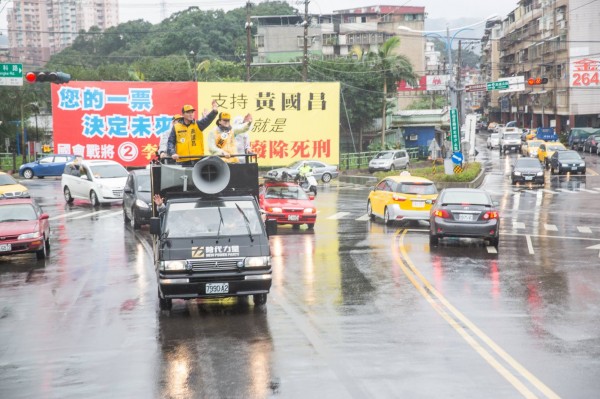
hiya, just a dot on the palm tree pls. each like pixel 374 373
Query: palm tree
pixel 394 67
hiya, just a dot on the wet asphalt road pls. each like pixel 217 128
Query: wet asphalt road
pixel 357 309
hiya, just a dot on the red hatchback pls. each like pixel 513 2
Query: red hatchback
pixel 287 203
pixel 23 228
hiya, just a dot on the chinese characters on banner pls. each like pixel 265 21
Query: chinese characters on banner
pixel 124 121
pixel 584 72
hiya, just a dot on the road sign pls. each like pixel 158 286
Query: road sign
pixel 457 157
pixel 477 87
pixel 458 169
pixel 11 74
pixel 499 85
pixel 454 130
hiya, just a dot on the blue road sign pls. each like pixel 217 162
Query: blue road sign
pixel 457 157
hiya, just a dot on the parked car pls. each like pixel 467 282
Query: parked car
pixel 389 160
pixel 567 161
pixel 546 150
pixel 491 126
pixel 464 212
pixel 25 228
pixel 578 135
pixel 287 203
pixel 51 165
pixel 527 170
pixel 591 144
pixel 530 148
pixel 320 170
pixel 10 188
pixel 403 197
pixel 493 140
pixel 99 181
pixel 137 198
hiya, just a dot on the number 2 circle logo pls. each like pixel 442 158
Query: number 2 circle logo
pixel 128 151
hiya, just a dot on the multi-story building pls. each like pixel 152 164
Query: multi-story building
pixel 38 29
pixel 552 39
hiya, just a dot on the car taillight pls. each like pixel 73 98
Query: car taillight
pixel 490 215
pixel 441 213
pixel 397 197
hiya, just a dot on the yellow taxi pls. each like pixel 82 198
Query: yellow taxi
pixel 403 197
pixel 530 148
pixel 10 188
pixel 546 149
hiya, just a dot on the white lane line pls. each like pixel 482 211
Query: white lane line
pixel 491 249
pixel 550 227
pixel 518 225
pixel 549 191
pixel 529 244
pixel 584 229
pixel 339 215
pixel 566 191
pixel 588 191
pixel 363 218
pixel 64 215
pixel 108 215
pixel 90 214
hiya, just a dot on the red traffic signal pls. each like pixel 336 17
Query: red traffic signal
pixel 52 77
pixel 537 81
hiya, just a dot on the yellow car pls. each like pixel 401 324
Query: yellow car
pixel 546 150
pixel 530 148
pixel 10 188
pixel 403 197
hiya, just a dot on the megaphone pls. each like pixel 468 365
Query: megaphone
pixel 211 175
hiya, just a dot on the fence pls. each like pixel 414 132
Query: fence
pixel 360 160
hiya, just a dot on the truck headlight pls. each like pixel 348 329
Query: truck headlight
pixel 257 261
pixel 173 265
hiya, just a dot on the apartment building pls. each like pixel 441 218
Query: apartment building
pixel 546 38
pixel 38 29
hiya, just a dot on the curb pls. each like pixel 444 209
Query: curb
pixel 369 181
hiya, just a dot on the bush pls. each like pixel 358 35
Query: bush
pixel 469 173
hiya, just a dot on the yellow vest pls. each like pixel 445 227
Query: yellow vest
pixel 189 140
pixel 226 142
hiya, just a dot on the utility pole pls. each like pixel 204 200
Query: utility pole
pixel 248 42
pixel 305 52
pixel 458 85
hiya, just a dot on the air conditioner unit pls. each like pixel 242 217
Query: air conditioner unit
pixel 562 24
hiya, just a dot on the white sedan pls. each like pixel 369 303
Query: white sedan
pixel 493 140
pixel 99 181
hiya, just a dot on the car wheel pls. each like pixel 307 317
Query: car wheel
pixel 259 299
pixel 552 170
pixel 68 196
pixel 370 211
pixel 94 199
pixel 494 242
pixel 392 168
pixel 47 244
pixel 135 220
pixel 433 240
pixel 311 226
pixel 326 178
pixel 164 303
pixel 126 219
pixel 41 254
pixel 386 217
pixel 28 174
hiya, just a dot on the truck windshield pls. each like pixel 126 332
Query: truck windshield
pixel 512 136
pixel 203 218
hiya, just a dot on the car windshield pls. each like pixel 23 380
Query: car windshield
pixel 416 188
pixel 286 192
pixel 534 144
pixel 555 147
pixel 203 219
pixel 512 136
pixel 384 155
pixel 528 163
pixel 17 212
pixel 6 180
pixel 465 198
pixel 144 183
pixel 569 155
pixel 109 171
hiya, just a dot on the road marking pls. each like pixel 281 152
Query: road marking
pixel 64 215
pixel 549 191
pixel 115 213
pixel 339 215
pixel 588 191
pixel 465 328
pixel 363 217
pixel 491 249
pixel 550 227
pixel 584 229
pixel 566 191
pixel 518 225
pixel 529 244
pixel 90 214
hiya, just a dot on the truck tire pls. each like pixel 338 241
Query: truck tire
pixel 164 303
pixel 259 299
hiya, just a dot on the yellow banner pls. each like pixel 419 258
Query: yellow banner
pixel 292 120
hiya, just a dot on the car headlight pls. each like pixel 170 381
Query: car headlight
pixel 274 210
pixel 29 236
pixel 173 265
pixel 309 210
pixel 540 173
pixel 141 204
pixel 517 173
pixel 257 261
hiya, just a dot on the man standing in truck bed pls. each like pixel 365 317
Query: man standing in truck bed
pixel 187 139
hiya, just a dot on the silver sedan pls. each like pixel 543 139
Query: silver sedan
pixel 320 170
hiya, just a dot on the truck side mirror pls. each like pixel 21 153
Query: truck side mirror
pixel 155 225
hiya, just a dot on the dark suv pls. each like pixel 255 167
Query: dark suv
pixel 137 201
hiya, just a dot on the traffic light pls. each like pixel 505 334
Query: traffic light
pixel 537 81
pixel 52 77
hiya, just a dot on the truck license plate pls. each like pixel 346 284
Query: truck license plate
pixel 217 288
pixel 5 247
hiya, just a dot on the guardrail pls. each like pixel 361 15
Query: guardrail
pixel 360 160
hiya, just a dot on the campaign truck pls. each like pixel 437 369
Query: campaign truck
pixel 210 240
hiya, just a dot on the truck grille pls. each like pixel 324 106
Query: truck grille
pixel 215 264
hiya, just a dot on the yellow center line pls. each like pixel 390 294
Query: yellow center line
pixel 426 288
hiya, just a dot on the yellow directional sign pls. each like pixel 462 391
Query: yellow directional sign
pixel 458 169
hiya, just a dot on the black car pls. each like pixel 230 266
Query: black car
pixel 591 144
pixel 464 212
pixel 137 199
pixel 567 161
pixel 527 170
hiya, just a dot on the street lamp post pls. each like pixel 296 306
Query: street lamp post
pixel 193 65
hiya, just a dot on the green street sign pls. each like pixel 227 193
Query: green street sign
pixel 454 130
pixel 499 85
pixel 11 74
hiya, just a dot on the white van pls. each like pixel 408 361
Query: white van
pixel 510 139
pixel 99 181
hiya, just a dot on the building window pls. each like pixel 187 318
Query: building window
pixel 260 41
